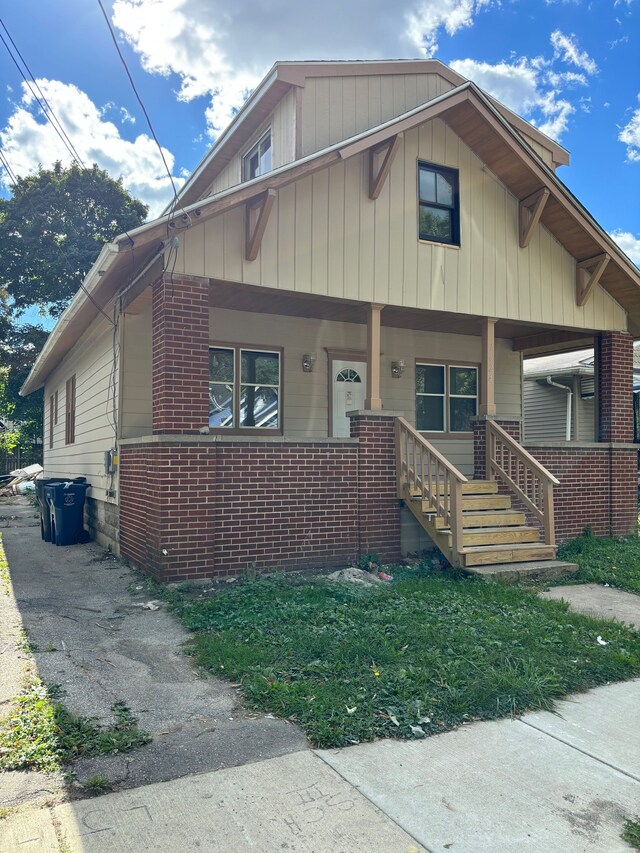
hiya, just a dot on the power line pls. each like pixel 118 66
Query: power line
pixel 142 106
pixel 8 169
pixel 45 106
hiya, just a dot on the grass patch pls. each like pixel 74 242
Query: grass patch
pixel 631 833
pixel 42 734
pixel 416 657
pixel 602 560
pixel 96 785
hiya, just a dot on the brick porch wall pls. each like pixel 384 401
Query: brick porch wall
pixel 218 508
pixel 480 442
pixel 614 375
pixel 378 504
pixel 598 488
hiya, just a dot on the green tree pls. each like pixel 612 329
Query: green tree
pixel 52 229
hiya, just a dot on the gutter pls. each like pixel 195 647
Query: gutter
pixel 569 400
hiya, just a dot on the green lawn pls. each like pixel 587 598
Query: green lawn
pixel 612 561
pixel 412 658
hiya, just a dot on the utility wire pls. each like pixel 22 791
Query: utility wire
pixel 8 169
pixel 142 106
pixel 45 106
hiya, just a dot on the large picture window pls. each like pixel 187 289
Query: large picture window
pixel 446 397
pixel 244 388
pixel 438 203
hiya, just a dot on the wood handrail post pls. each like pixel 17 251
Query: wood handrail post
pixel 455 508
pixel 549 521
pixel 488 437
pixel 398 439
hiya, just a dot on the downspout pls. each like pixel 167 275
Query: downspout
pixel 569 399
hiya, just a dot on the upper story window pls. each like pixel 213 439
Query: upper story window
pixel 257 161
pixel 439 204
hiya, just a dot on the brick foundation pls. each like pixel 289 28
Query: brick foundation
pixel 598 488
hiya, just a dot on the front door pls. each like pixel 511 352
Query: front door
pixel 349 390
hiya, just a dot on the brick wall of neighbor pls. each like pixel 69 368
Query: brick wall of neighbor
pixel 180 371
pixel 219 508
pixel 598 488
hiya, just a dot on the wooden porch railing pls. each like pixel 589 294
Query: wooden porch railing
pixel 422 470
pixel 523 475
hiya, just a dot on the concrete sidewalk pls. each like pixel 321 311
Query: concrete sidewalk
pixel 545 783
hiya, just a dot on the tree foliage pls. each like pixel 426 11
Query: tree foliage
pixel 52 230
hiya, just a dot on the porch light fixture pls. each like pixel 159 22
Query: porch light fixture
pixel 397 368
pixel 308 361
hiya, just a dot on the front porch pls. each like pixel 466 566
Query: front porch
pixel 202 500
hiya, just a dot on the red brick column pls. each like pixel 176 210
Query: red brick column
pixel 378 504
pixel 480 442
pixel 180 356
pixel 614 377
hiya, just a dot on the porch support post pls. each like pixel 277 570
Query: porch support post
pixel 373 401
pixel 488 371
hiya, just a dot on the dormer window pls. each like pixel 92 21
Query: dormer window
pixel 257 161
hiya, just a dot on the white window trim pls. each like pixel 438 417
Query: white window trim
pixel 252 149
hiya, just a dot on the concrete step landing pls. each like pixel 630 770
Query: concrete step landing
pixel 511 572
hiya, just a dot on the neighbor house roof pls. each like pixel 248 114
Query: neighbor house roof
pixel 576 363
pixel 471 115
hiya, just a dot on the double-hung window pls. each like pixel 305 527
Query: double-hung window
pixel 439 204
pixel 446 397
pixel 244 388
pixel 257 161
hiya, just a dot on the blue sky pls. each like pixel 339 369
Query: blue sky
pixel 570 66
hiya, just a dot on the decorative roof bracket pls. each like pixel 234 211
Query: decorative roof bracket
pixel 256 218
pixel 530 211
pixel 588 274
pixel 381 159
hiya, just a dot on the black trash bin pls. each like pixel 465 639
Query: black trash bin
pixel 66 501
pixel 45 509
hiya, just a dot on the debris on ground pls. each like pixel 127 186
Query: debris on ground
pixel 354 575
pixel 20 481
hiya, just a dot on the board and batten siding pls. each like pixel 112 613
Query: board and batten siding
pixel 336 108
pixel 91 360
pixel 283 145
pixel 326 237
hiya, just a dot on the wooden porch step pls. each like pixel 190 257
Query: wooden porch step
pixel 473 487
pixel 497 536
pixel 496 554
pixel 488 518
pixel 476 502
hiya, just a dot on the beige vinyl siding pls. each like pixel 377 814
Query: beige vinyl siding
pixel 325 236
pixel 283 141
pixel 306 400
pixel 91 360
pixel 336 108
pixel 136 374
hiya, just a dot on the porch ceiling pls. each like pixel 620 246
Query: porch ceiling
pixel 262 300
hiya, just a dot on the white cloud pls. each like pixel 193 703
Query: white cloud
pixel 629 243
pixel 523 86
pixel 221 50
pixel 566 49
pixel 28 140
pixel 630 135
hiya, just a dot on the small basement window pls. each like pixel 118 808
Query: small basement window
pixel 439 204
pixel 257 161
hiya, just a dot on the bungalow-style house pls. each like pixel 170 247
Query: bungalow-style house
pixel 559 396
pixel 316 353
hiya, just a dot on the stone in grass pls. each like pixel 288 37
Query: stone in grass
pixel 354 575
